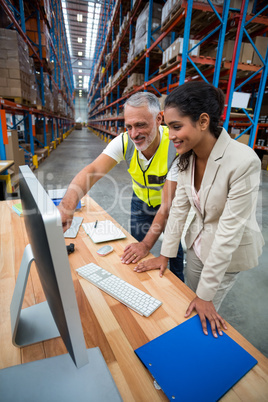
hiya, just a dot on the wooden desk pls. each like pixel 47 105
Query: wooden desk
pixel 117 330
pixel 4 165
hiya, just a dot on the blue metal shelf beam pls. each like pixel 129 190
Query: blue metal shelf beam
pixel 242 30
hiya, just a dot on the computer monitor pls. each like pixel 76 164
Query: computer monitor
pixel 47 247
pixel 55 378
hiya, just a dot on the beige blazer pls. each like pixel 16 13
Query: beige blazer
pixel 230 236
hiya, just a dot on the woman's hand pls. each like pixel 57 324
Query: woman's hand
pixel 160 262
pixel 134 252
pixel 206 309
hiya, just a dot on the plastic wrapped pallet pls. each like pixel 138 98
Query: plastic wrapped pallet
pixel 143 20
pixel 55 97
pixel 131 51
pixel 170 7
pixel 140 43
pixel 60 104
pixel 33 87
pixel 135 80
pixel 49 102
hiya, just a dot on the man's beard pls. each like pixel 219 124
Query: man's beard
pixel 149 139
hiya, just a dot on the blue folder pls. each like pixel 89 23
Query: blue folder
pixel 191 366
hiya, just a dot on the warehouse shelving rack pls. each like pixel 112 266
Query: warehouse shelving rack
pixel 224 22
pixel 19 12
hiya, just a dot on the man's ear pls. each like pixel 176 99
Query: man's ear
pixel 159 118
pixel 204 120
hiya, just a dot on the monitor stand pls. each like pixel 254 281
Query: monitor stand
pixel 58 379
pixel 32 324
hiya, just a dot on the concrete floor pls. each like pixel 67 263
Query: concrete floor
pixel 246 305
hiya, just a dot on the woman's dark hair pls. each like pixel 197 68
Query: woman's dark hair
pixel 192 99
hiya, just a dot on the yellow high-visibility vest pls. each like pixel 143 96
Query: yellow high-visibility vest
pixel 148 184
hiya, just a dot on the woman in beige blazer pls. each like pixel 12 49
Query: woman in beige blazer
pixel 219 178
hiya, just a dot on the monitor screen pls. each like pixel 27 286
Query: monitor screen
pixel 44 229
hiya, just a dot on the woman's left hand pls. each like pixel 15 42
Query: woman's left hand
pixel 134 252
pixel 206 309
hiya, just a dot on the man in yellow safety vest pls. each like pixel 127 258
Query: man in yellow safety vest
pixel 150 158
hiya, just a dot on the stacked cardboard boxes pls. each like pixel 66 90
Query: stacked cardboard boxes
pixel 32 33
pixel 176 48
pixel 261 43
pixel 16 75
pixel 246 52
pixel 78 126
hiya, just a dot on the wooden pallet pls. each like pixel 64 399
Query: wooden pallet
pixel 19 100
pixel 177 10
pixel 140 54
pixel 130 89
pixel 169 64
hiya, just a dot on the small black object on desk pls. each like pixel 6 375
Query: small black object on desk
pixel 70 248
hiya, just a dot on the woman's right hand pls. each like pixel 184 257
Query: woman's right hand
pixel 160 262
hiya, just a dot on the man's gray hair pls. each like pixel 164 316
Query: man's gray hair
pixel 148 99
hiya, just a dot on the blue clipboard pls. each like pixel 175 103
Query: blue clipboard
pixel 190 366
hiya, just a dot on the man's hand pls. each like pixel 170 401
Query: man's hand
pixel 206 309
pixel 66 217
pixel 134 252
pixel 160 262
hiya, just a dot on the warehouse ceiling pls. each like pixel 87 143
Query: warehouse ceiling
pixel 81 19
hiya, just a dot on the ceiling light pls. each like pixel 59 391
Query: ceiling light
pixel 80 63
pixel 80 76
pixel 80 53
pixel 80 71
pixel 79 17
pixel 80 85
pixel 80 40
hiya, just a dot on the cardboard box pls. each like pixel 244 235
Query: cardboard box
pixel 14 73
pixel 238 3
pixel 135 80
pixel 228 50
pixel 3 73
pixel 261 43
pixel 21 158
pixel 177 47
pixel 3 82
pixel 28 146
pixel 244 139
pixel 246 54
pixel 13 151
pixel 3 63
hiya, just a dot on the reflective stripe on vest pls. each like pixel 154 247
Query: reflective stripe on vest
pixel 148 184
